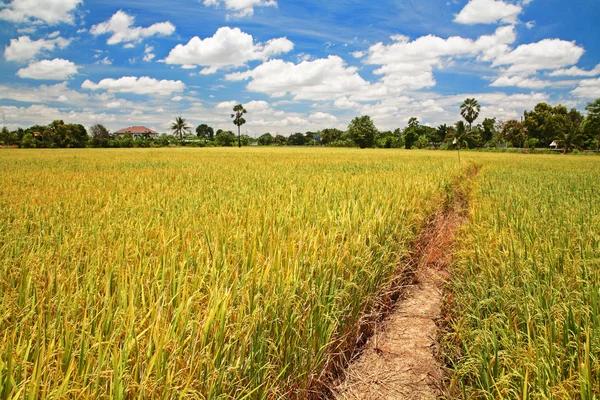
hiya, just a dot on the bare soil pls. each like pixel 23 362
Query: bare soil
pixel 400 360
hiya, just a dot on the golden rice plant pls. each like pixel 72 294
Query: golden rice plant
pixel 208 273
pixel 526 286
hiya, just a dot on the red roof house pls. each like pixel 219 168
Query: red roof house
pixel 137 131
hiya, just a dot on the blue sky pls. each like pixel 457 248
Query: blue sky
pixel 296 65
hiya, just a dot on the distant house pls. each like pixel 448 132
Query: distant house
pixel 138 132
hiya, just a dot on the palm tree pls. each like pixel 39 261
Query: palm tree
pixel 179 127
pixel 469 110
pixel 238 120
pixel 570 135
pixel 460 136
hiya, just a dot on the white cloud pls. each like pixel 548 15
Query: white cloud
pixel 120 25
pixel 322 118
pixel 545 54
pixel 575 71
pixel 227 48
pixel 42 94
pixel 104 61
pixel 530 83
pixel 148 53
pixel 24 49
pixel 588 89
pixel 409 64
pixel 241 8
pixel 57 69
pixel 51 12
pixel 345 103
pixel 488 12
pixel 132 84
pixel 321 79
pixel 358 54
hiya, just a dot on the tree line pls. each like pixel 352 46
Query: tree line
pixel 541 127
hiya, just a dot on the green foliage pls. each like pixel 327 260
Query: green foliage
pixel 469 110
pixel 28 141
pixel 180 127
pixel 238 120
pixel 411 133
pixel 99 136
pixel 362 132
pixel 330 135
pixel 266 140
pixel 205 132
pixel 296 139
pixel 280 140
pixel 423 142
pixel 531 143
pixel 569 130
pixel 225 138
pixel 591 128
pixel 514 132
pixel 488 131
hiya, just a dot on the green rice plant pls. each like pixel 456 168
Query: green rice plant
pixel 199 273
pixel 526 284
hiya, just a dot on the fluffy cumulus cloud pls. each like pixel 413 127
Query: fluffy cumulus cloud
pixel 58 93
pixel 229 47
pixel 409 64
pixel 546 54
pixel 24 49
pixel 588 89
pixel 321 79
pixel 488 12
pixel 120 25
pixel 241 8
pixel 50 12
pixel 56 70
pixel 132 84
pixel 521 81
pixel 531 82
pixel 323 118
pixel 575 71
pixel 148 53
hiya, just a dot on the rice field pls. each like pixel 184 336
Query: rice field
pixel 241 274
pixel 199 273
pixel 526 285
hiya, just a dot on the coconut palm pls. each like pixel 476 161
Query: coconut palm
pixel 180 126
pixel 460 136
pixel 469 110
pixel 238 119
pixel 570 131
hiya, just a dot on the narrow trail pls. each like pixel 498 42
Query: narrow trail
pixel 400 360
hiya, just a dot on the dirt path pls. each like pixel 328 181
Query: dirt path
pixel 399 361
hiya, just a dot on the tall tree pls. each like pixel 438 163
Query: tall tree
pixel 569 133
pixel 411 133
pixel 362 131
pixel 206 132
pixel 238 120
pixel 469 110
pixel 513 131
pixel 459 136
pixel 100 135
pixel 489 129
pixel 592 125
pixel 180 126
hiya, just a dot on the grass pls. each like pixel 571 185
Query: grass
pixel 202 273
pixel 525 297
